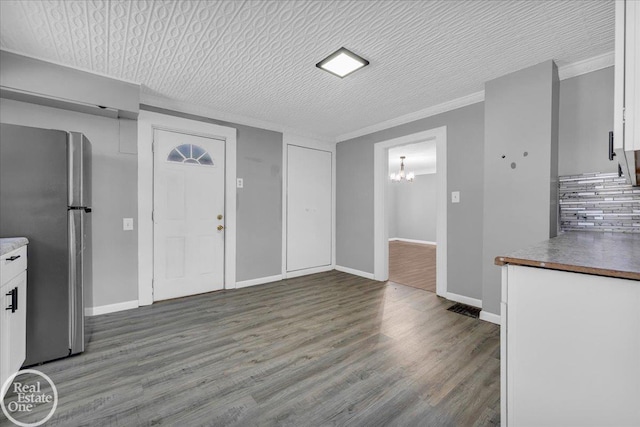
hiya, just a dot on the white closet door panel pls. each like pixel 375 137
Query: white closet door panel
pixel 308 208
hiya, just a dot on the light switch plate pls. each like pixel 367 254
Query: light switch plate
pixel 455 197
pixel 127 224
pixel 240 182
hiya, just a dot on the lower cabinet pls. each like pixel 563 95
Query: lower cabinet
pixel 570 349
pixel 13 325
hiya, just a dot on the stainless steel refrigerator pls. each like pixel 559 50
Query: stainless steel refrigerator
pixel 45 195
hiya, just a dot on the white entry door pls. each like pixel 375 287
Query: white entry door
pixel 309 207
pixel 188 215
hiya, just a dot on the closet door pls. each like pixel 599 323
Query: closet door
pixel 308 208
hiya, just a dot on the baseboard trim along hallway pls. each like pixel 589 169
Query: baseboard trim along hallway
pixel 423 242
pixel 110 308
pixel 258 281
pixel 464 300
pixel 490 317
pixel 354 272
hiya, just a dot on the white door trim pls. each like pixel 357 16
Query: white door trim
pixel 381 226
pixel 147 122
pixel 306 142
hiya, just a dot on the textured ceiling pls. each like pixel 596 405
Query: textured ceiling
pixel 257 58
pixel 420 158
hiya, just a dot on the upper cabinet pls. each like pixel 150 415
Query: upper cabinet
pixel 627 88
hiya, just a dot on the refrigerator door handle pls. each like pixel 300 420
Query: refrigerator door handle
pixel 76 254
pixel 72 274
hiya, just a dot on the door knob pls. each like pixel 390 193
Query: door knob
pixel 220 227
pixel 219 216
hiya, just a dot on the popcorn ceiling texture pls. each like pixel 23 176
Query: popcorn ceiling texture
pixel 599 202
pixel 257 58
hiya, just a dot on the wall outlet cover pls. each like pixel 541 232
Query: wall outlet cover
pixel 455 197
pixel 240 182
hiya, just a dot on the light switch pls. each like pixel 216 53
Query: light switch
pixel 127 224
pixel 240 183
pixel 455 197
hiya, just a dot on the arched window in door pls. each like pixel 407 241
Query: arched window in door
pixel 191 154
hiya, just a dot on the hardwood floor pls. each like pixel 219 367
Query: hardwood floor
pixel 326 349
pixel 413 264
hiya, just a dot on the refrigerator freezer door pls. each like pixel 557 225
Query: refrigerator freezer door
pixel 78 220
pixel 33 191
pixel 79 164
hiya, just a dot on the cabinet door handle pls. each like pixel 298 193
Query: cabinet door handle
pixel 13 258
pixel 612 153
pixel 14 300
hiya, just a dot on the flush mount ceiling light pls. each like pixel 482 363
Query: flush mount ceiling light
pixel 402 176
pixel 342 62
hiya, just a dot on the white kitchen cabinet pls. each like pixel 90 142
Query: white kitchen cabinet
pixel 627 88
pixel 13 319
pixel 570 349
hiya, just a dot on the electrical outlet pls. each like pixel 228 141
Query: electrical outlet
pixel 455 197
pixel 127 224
pixel 240 182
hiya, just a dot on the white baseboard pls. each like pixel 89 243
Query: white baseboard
pixel 111 308
pixel 258 281
pixel 306 271
pixel 490 317
pixel 355 272
pixel 423 242
pixel 464 300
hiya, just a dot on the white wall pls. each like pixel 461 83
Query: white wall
pixel 412 209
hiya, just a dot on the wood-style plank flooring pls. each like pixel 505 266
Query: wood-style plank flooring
pixel 413 264
pixel 321 350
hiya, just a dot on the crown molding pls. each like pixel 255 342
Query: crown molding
pixel 205 111
pixel 463 101
pixel 61 64
pixel 585 66
pixel 564 72
pixel 568 71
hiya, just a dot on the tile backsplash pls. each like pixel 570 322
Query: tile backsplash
pixel 598 202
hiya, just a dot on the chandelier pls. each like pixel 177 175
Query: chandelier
pixel 402 176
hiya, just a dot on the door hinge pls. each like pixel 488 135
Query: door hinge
pixel 152 216
pixel 624 115
pixel 153 146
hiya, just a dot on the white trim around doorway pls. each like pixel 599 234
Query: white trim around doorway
pixel 381 226
pixel 147 122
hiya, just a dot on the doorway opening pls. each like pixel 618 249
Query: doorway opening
pixel 438 138
pixel 412 214
pixel 148 123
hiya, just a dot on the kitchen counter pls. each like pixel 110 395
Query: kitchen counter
pixel 11 244
pixel 603 254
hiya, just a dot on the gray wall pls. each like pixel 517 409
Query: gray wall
pixel 412 214
pixel 354 198
pixel 259 208
pixel 520 116
pixel 586 117
pixel 115 177
pixel 50 80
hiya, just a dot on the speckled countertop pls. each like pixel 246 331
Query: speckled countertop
pixel 11 244
pixel 591 252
